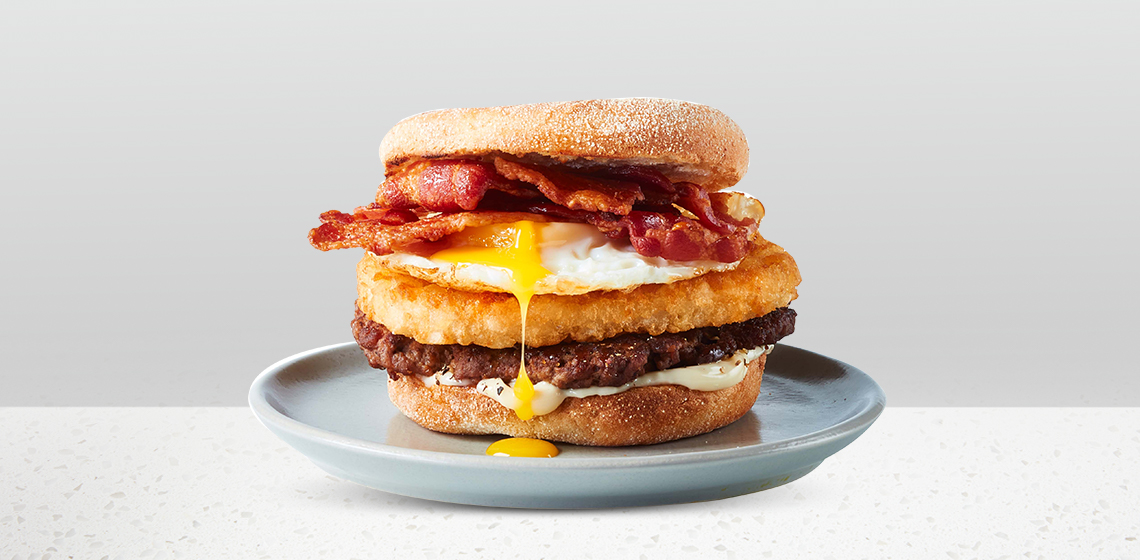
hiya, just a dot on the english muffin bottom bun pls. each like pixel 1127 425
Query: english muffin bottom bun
pixel 591 243
pixel 636 417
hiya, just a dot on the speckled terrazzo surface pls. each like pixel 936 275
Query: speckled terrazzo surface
pixel 921 483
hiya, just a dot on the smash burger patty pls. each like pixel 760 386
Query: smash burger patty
pixel 571 365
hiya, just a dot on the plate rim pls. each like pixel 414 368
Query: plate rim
pixel 276 420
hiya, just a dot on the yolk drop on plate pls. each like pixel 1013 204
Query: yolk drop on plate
pixel 522 447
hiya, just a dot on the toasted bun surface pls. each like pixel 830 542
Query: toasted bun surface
pixel 685 141
pixel 640 416
pixel 431 314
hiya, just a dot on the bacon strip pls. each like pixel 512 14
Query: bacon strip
pixel 573 190
pixel 696 200
pixel 654 231
pixel 429 200
pixel 341 231
pixel 677 238
pixel 445 185
pixel 663 234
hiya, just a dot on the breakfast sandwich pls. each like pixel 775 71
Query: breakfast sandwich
pixel 570 272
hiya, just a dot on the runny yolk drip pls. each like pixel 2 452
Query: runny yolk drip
pixel 522 447
pixel 513 247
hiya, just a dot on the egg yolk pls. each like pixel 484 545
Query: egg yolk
pixel 513 247
pixel 522 447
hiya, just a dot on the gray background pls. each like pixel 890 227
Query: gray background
pixel 957 180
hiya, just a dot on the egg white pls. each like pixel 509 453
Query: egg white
pixel 580 258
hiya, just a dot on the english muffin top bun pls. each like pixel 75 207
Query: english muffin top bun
pixel 684 141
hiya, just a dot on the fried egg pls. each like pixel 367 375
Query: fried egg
pixel 578 257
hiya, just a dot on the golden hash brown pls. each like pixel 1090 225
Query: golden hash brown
pixel 639 416
pixel 431 314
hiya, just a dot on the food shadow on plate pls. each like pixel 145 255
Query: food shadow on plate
pixel 803 366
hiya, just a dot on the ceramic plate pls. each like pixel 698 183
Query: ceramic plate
pixel 331 406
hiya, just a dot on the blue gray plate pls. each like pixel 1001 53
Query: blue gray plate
pixel 331 406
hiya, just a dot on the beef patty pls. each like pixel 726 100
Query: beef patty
pixel 571 365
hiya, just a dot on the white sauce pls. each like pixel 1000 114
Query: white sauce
pixel 705 377
pixel 580 258
pixel 443 377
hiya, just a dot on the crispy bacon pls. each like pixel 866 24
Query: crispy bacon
pixel 503 202
pixel 661 233
pixel 677 238
pixel 386 216
pixel 429 200
pixel 341 231
pixel 573 190
pixel 445 185
pixel 338 231
pixel 696 200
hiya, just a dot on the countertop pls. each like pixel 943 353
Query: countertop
pixel 921 483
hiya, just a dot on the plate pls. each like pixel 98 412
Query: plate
pixel 332 407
